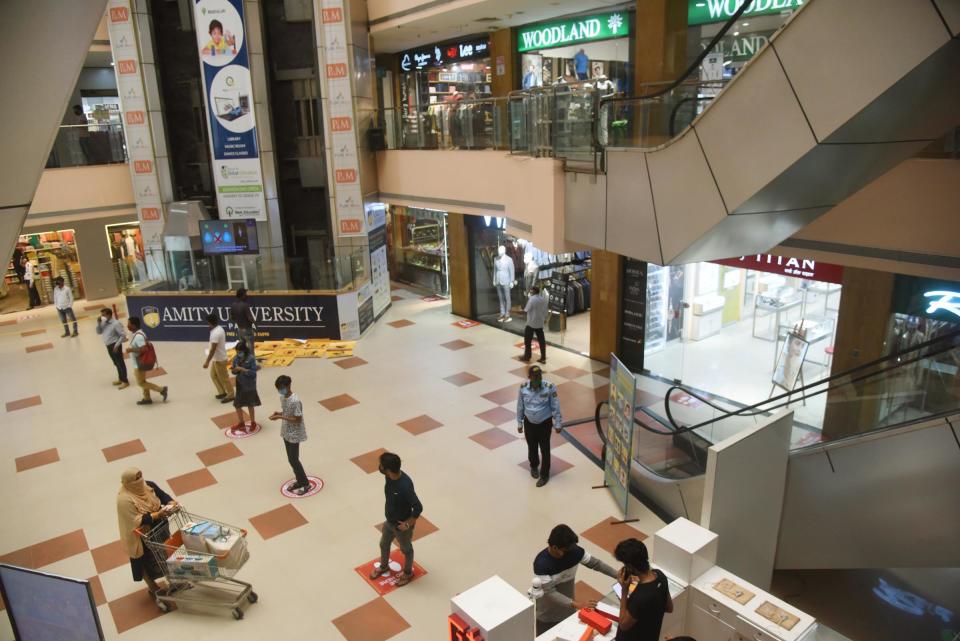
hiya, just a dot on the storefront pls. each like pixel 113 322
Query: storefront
pixel 126 254
pixel 735 328
pixel 53 254
pixel 565 278
pixel 417 248
pixel 591 47
pixel 441 74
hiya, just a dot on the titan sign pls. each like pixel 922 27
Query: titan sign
pixel 704 11
pixel 568 32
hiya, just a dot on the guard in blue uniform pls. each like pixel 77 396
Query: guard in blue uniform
pixel 538 410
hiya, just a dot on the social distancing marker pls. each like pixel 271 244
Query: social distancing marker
pixel 239 432
pixel 385 584
pixel 431 299
pixel 465 323
pixel 316 484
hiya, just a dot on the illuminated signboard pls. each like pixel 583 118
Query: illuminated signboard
pixel 706 11
pixel 441 55
pixel 936 299
pixel 573 31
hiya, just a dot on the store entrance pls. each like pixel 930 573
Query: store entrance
pixel 47 255
pixel 126 255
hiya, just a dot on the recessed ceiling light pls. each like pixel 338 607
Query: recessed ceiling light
pixel 736 33
pixel 746 24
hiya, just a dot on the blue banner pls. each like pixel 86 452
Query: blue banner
pixel 172 317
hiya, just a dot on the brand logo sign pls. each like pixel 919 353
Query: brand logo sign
pixel 341 123
pixel 126 66
pixel 945 301
pixel 332 15
pixel 337 70
pixel 704 11
pixel 346 175
pixel 440 55
pixel 142 166
pixel 136 118
pixel 567 32
pixel 150 213
pixel 806 268
pixel 119 14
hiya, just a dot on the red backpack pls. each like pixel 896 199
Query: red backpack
pixel 147 357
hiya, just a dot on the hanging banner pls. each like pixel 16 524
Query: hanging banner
pixel 616 465
pixel 228 94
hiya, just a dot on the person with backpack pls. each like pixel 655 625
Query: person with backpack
pixel 144 359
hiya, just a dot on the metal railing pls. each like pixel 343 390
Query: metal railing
pixel 82 145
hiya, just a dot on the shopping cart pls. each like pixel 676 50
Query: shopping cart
pixel 199 558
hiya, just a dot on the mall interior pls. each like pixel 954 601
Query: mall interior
pixel 736 220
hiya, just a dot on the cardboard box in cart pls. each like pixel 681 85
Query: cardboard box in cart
pixel 187 565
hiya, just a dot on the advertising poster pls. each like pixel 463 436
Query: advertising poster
pixel 790 362
pixel 183 318
pixel 616 466
pixel 633 316
pixel 379 269
pixel 228 92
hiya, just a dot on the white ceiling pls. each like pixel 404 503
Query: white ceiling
pixel 417 30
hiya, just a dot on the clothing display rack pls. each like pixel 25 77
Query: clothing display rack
pixel 569 288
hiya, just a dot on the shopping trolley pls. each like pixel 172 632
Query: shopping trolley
pixel 199 558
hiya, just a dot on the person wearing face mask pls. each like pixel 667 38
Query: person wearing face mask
pixel 111 331
pixel 645 593
pixel 142 506
pixel 402 510
pixel 292 431
pixel 245 369
pixel 538 410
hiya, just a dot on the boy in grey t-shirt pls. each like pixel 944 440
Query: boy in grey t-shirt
pixel 292 431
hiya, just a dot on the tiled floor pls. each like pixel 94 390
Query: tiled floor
pixel 30 461
pixel 440 396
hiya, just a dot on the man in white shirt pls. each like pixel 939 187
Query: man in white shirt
pixel 31 281
pixel 217 354
pixel 63 301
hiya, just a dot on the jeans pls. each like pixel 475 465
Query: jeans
pixel 64 315
pixel 220 378
pixel 404 540
pixel 145 385
pixel 293 458
pixel 117 357
pixel 503 293
pixel 528 333
pixel 538 438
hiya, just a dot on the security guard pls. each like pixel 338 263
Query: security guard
pixel 538 410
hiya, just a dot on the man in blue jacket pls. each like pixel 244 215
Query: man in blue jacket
pixel 538 410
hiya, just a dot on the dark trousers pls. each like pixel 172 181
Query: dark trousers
pixel 293 457
pixel 66 314
pixel 528 333
pixel 538 444
pixel 33 294
pixel 404 541
pixel 117 357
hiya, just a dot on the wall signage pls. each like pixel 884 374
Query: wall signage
pixel 704 11
pixel 633 313
pixel 440 55
pixel 806 268
pixel 944 300
pixel 742 47
pixel 228 93
pixel 935 299
pixel 616 465
pixel 561 33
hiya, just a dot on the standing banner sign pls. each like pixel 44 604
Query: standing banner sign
pixel 228 93
pixel 616 464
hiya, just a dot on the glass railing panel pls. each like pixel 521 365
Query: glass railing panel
pixel 83 145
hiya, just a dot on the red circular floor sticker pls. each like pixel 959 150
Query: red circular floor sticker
pixel 239 432
pixel 316 484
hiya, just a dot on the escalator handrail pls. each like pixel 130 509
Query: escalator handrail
pixel 754 410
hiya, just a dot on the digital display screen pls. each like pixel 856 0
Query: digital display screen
pixel 229 236
pixel 47 607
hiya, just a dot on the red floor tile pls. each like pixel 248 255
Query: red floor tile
pixel 23 403
pixel 33 332
pixel 403 322
pixel 37 459
pixel 133 610
pixel 384 585
pixel 90 308
pixel 372 621
pixel 335 403
pixel 422 529
pixel 49 551
pixel 219 454
pixel 584 592
pixel 276 522
pixel 570 373
pixel 395 298
pixel 522 372
pixel 38 348
pixel 99 598
pixel 646 399
pixel 123 450
pixel 369 462
pixel 455 345
pixel 557 465
pixel 587 436
pixel 158 371
pixel 462 378
pixel 7 323
pixel 191 482
pixel 493 438
pixel 420 424
pixel 504 395
pixel 109 556
pixel 350 363
pixel 497 416
pixel 606 535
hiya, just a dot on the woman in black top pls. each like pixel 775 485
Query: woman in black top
pixel 642 610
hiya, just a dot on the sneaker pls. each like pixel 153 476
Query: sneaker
pixel 542 360
pixel 117 383
pixel 505 320
pixel 379 571
pixel 535 472
pixel 66 335
pixel 404 579
pixel 74 335
pixel 300 490
pixel 163 393
pixel 144 401
pixel 543 481
pixel 219 396
pixel 124 386
pixel 228 399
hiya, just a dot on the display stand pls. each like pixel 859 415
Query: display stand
pixel 789 367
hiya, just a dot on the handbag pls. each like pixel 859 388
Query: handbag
pixel 147 356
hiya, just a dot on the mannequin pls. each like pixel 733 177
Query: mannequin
pixel 503 281
pixel 530 271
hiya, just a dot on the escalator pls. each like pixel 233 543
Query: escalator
pixel 849 501
pixel 825 108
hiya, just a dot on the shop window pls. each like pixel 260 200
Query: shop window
pixel 126 255
pixel 52 254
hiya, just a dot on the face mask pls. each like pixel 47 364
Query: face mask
pixel 283 392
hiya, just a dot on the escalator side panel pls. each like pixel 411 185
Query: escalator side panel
pixel 631 228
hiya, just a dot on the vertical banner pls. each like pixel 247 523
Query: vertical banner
pixel 616 465
pixel 228 93
pixel 348 197
pixel 379 269
pixel 136 131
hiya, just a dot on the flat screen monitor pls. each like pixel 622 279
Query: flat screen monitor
pixel 229 236
pixel 49 607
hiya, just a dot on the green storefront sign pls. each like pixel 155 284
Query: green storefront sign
pixel 704 11
pixel 573 31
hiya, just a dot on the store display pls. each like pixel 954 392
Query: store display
pixel 52 254
pixel 790 363
pixel 739 594
pixel 777 615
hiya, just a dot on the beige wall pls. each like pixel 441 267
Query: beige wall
pixel 913 209
pixel 83 188
pixel 378 9
pixel 485 183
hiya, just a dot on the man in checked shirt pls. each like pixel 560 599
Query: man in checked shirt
pixel 538 410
